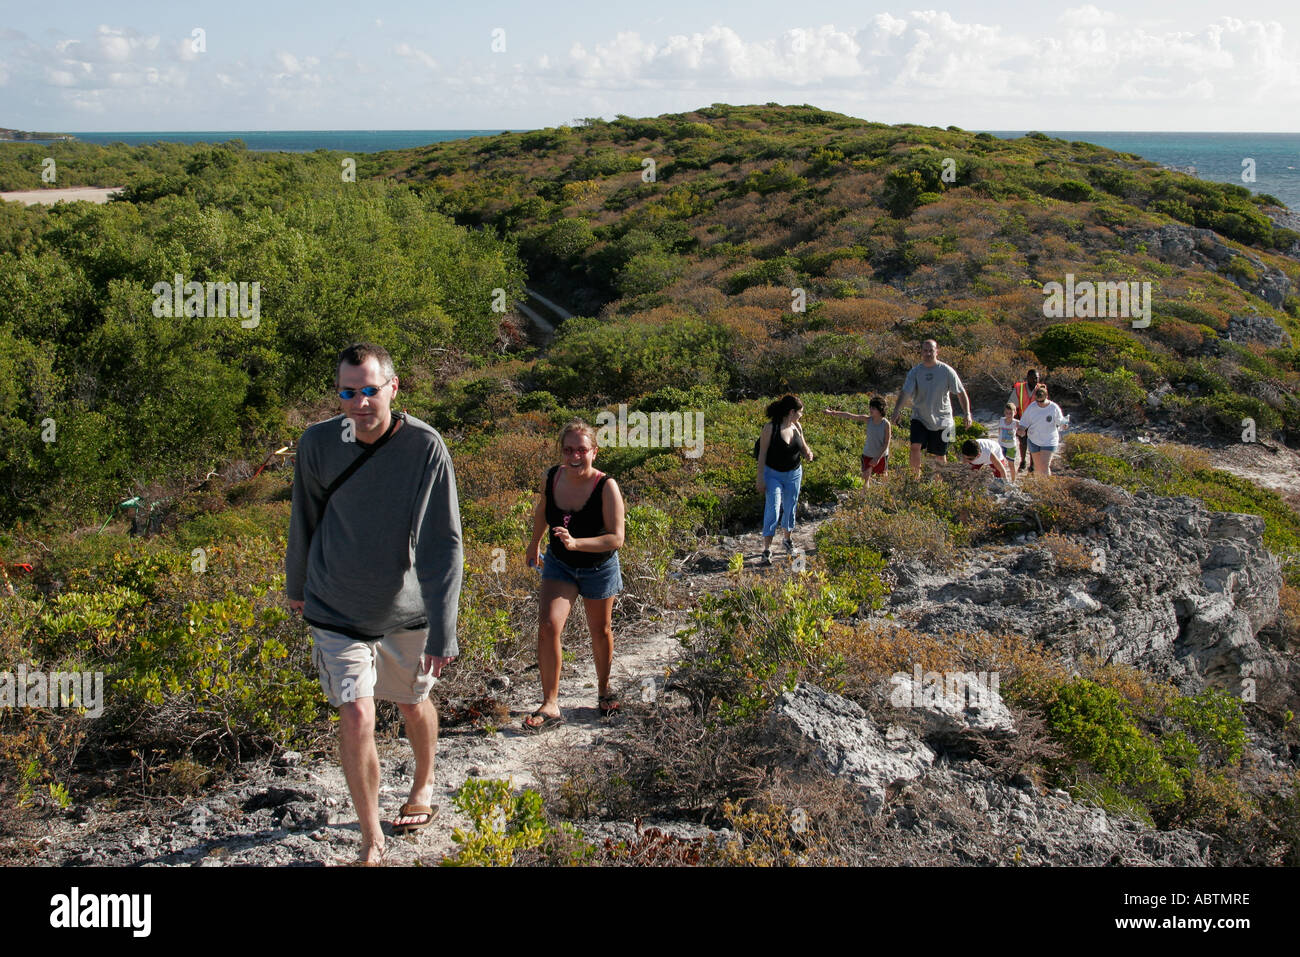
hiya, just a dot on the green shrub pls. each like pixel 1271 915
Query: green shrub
pixel 1214 718
pixel 1086 344
pixel 781 271
pixel 1072 191
pixel 1094 725
pixel 750 644
pixel 902 192
pixel 851 565
pixel 897 536
pixel 648 272
pixel 627 358
pixel 504 825
pixel 1225 413
pixel 1117 395
pixel 778 177
pixel 947 327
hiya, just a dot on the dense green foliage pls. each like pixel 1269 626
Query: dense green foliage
pixel 112 398
pixel 890 235
pixel 751 643
pixel 1169 773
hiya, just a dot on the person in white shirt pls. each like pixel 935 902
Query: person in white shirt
pixel 982 452
pixel 1043 423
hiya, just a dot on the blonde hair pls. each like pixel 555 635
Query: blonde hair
pixel 577 425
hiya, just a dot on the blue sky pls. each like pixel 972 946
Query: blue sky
pixel 1142 64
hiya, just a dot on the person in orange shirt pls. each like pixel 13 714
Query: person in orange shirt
pixel 1022 394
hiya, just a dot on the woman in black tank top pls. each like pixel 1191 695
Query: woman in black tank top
pixel 583 510
pixel 781 451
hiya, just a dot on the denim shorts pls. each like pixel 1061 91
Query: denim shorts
pixel 603 581
pixel 1040 448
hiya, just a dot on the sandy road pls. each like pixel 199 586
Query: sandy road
pixel 93 194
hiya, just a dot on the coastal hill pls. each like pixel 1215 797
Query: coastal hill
pixel 1139 609
pixel 23 135
pixel 894 234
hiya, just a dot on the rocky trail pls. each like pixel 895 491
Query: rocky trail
pixel 941 806
pixel 295 811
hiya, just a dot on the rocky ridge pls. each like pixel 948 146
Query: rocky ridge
pixel 1188 246
pixel 1174 589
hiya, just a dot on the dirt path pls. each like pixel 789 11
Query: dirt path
pixel 1271 466
pixel 92 194
pixel 508 753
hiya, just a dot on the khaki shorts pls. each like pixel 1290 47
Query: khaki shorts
pixel 387 668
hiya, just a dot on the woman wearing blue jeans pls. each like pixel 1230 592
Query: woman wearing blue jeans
pixel 781 450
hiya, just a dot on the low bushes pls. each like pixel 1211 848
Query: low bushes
pixel 749 644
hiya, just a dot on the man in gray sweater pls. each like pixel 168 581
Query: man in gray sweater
pixel 374 566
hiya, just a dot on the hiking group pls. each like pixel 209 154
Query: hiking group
pixel 374 562
pixel 1031 423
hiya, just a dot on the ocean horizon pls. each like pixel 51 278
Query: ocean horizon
pixel 1274 158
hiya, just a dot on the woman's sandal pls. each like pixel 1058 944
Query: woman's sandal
pixel 608 704
pixel 548 722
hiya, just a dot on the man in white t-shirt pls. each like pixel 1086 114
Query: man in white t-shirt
pixel 982 452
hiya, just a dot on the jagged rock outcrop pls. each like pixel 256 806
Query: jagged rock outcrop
pixel 952 706
pixel 1188 246
pixel 824 730
pixel 1252 327
pixel 954 812
pixel 963 814
pixel 1175 589
pixel 1287 219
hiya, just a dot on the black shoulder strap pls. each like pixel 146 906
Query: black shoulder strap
pixel 361 459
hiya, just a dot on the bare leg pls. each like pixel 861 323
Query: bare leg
pixel 600 614
pixel 361 769
pixel 914 459
pixel 422 731
pixel 556 600
pixel 1043 463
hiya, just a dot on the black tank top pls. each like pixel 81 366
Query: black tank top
pixel 586 522
pixel 781 455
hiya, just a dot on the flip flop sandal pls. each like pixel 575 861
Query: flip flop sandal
pixel 608 704
pixel 548 722
pixel 411 810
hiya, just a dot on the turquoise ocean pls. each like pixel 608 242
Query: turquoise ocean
pixel 1215 156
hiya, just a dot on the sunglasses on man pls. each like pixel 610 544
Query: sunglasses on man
pixel 369 391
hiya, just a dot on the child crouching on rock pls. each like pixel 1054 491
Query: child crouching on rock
pixel 982 452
